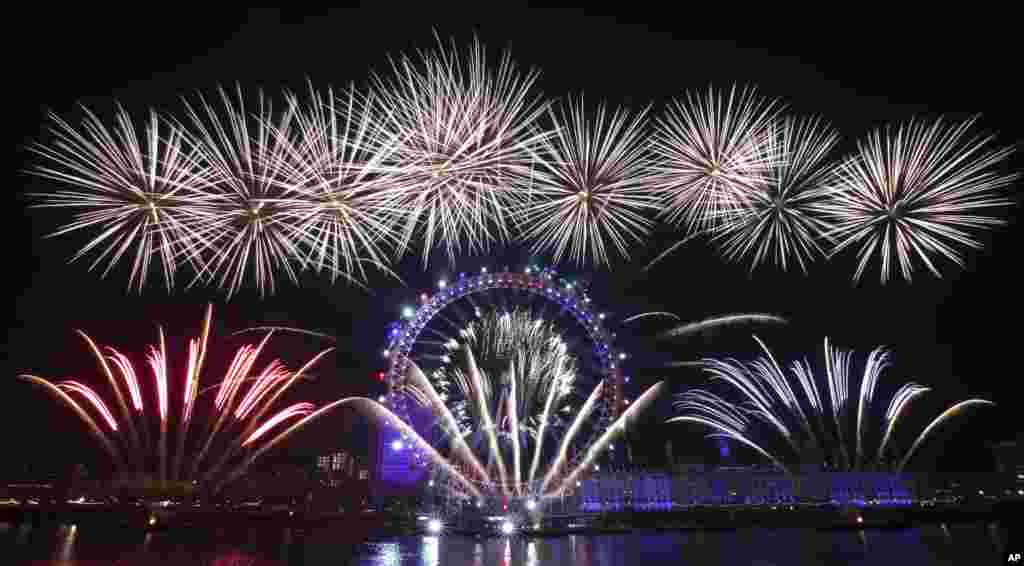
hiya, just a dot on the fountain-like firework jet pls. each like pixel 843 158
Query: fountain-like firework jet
pixel 900 400
pixel 93 399
pixel 767 397
pixel 513 415
pixel 708 409
pixel 563 449
pixel 946 415
pixel 478 386
pixel 505 384
pixel 719 321
pixel 196 357
pixel 63 397
pixel 130 379
pixel 240 368
pixel 611 434
pixel 545 416
pixel 274 373
pixel 452 429
pixel 157 359
pixel 878 360
pixel 236 411
pixel 240 415
pixel 288 380
pixel 283 415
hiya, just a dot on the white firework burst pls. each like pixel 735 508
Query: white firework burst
pixel 917 191
pixel 464 146
pixel 137 192
pixel 592 186
pixel 245 222
pixel 333 170
pixel 712 153
pixel 782 219
pixel 800 418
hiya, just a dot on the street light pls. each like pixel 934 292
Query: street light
pixel 434 526
pixel 507 528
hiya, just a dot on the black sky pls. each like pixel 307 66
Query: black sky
pixel 958 334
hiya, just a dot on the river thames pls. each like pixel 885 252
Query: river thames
pixel 70 545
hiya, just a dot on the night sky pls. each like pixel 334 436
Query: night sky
pixel 959 334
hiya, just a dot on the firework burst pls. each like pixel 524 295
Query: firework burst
pixel 244 224
pixel 796 418
pixel 916 191
pixel 713 153
pixel 781 220
pixel 591 187
pixel 239 417
pixel 465 142
pixel 137 192
pixel 333 168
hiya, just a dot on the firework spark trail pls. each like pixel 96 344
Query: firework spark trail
pixel 563 449
pixel 466 143
pixel 783 389
pixel 298 409
pixel 483 407
pixel 538 447
pixel 647 314
pixel 295 376
pixel 93 398
pixel 133 386
pixel 513 399
pixel 157 359
pixel 712 151
pixel 138 193
pixel 266 380
pixel 289 329
pixel 714 412
pixel 946 415
pixel 274 373
pixel 196 358
pixel 712 323
pixel 592 186
pixel 612 433
pixel 878 360
pixel 766 396
pixel 105 440
pixel 782 219
pixel 837 369
pixel 916 191
pixel 900 400
pixel 449 422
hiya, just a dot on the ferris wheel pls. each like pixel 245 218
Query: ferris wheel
pixel 427 333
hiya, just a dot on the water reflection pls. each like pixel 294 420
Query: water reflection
pixel 431 555
pixel 65 547
pixel 976 543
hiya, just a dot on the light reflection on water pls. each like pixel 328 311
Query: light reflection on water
pixel 80 545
